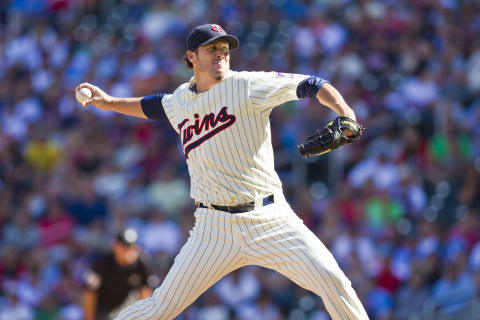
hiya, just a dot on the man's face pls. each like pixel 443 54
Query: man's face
pixel 212 59
pixel 125 254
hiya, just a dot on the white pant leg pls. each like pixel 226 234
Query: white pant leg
pixel 211 252
pixel 279 240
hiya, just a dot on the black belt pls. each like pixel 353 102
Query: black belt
pixel 245 207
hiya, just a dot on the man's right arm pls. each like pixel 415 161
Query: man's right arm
pixel 149 107
pixel 89 304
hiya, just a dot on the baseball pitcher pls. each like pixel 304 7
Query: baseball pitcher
pixel 242 218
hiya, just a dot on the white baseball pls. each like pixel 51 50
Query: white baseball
pixel 83 95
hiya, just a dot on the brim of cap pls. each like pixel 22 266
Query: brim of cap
pixel 233 42
pixel 126 243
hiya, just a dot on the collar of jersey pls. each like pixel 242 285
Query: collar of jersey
pixel 192 84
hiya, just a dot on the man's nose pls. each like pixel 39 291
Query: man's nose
pixel 220 54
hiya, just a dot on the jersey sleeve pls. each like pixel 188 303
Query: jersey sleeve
pixel 160 107
pixel 168 103
pixel 152 107
pixel 267 90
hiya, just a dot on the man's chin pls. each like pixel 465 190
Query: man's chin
pixel 219 74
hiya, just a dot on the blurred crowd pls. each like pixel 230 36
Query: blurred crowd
pixel 400 209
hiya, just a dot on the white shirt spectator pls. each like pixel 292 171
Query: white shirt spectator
pixel 42 80
pixel 351 67
pixel 215 312
pixel 17 311
pixel 343 247
pixel 29 110
pixel 169 195
pixel 475 257
pixel 473 71
pixel 333 37
pixel 23 50
pixel 420 92
pixel 31 292
pixel 161 236
pixel 385 175
pixel 12 307
pixel 113 184
pixel 257 311
pixel 239 287
pixel 71 312
pixel 13 126
pixel 305 42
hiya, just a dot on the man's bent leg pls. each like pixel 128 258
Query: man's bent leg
pixel 210 253
pixel 285 244
pixel 318 272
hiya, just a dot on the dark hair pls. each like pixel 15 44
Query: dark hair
pixel 187 62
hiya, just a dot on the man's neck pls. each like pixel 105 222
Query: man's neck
pixel 204 82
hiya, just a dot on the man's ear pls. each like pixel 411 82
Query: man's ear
pixel 191 55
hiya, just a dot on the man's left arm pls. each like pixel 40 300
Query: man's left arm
pixel 342 130
pixel 330 97
pixel 326 94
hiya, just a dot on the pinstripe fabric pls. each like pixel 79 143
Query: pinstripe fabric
pixel 212 251
pixel 272 237
pixel 277 239
pixel 235 164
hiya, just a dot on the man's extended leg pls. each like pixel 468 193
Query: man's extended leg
pixel 279 240
pixel 210 253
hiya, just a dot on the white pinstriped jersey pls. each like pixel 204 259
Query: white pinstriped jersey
pixel 225 134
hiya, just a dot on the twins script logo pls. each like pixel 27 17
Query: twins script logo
pixel 210 122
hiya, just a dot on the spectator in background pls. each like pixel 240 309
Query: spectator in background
pixel 12 307
pixel 57 226
pixel 86 206
pixel 238 289
pixel 160 235
pixel 116 279
pixel 42 154
pixel 412 296
pixel 264 309
pixel 455 290
pixel 21 232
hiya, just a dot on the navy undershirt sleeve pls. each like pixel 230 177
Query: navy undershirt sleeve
pixel 152 107
pixel 309 87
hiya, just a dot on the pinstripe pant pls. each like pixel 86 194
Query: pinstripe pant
pixel 273 237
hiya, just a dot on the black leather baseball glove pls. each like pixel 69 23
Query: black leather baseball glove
pixel 332 136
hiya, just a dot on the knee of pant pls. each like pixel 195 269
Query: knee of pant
pixel 339 276
pixel 341 280
pixel 344 280
pixel 164 306
pixel 145 309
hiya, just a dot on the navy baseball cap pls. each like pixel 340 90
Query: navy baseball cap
pixel 208 33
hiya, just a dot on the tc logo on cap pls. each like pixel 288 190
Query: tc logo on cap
pixel 217 28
